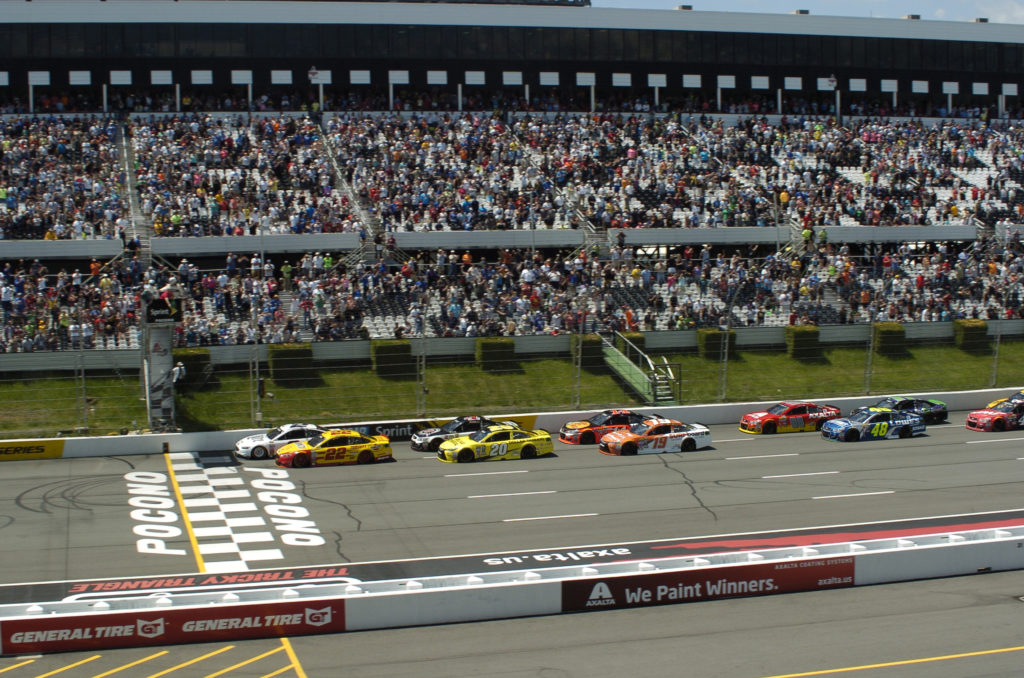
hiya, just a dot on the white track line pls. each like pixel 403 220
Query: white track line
pixel 859 494
pixel 764 456
pixel 573 515
pixel 734 440
pixel 491 473
pixel 996 440
pixel 509 494
pixel 798 475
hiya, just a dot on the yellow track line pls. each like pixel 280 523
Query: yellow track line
pixel 295 660
pixel 904 662
pixel 190 662
pixel 130 665
pixel 184 514
pixel 69 666
pixel 16 666
pixel 246 662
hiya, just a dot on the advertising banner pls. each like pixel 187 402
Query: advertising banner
pixel 404 430
pixel 16 450
pixel 138 628
pixel 714 583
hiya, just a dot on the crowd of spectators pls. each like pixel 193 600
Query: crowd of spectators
pixel 250 300
pixel 201 176
pixel 61 179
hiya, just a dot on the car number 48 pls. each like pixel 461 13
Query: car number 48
pixel 880 429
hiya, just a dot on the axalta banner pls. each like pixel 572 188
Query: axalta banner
pixel 16 450
pixel 662 588
pixel 164 627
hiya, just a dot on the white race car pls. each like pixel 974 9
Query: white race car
pixel 266 445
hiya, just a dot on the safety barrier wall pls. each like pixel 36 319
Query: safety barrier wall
pixel 664 341
pixel 190 616
pixel 401 430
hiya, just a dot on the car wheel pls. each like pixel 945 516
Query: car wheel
pixel 818 424
pixel 768 429
pixel 528 452
pixel 259 452
pixel 852 436
pixel 905 432
pixel 689 445
pixel 587 438
pixel 628 449
pixel 999 425
pixel 365 457
pixel 465 456
pixel 300 460
pixel 434 445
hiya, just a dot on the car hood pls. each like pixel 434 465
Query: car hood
pixel 987 413
pixel 253 440
pixel 455 442
pixel 423 433
pixel 616 437
pixel 756 415
pixel 576 425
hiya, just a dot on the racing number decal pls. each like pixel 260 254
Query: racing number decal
pixel 879 430
pixel 659 443
pixel 499 449
pixel 796 422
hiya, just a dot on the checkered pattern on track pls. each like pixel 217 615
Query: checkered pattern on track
pixel 231 531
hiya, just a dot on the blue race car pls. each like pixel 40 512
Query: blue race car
pixel 933 411
pixel 873 423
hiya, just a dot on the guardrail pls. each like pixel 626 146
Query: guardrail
pixel 401 430
pixel 175 616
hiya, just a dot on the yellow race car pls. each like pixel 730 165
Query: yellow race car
pixel 1019 395
pixel 334 448
pixel 503 441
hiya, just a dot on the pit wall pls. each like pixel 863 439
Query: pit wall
pixel 183 617
pixel 402 430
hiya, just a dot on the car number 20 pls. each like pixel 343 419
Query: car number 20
pixel 499 449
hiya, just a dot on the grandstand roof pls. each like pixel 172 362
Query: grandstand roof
pixel 459 14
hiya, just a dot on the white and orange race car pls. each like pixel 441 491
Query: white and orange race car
pixel 655 436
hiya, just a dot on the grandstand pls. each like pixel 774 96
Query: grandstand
pixel 344 170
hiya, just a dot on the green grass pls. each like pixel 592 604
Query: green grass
pixel 45 406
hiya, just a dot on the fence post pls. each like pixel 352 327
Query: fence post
pixel 869 358
pixel 995 355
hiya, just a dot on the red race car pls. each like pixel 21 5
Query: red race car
pixel 1004 416
pixel 789 418
pixel 590 431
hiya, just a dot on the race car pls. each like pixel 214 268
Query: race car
pixel 932 411
pixel 653 436
pixel 590 431
pixel 789 418
pixel 334 448
pixel 1019 395
pixel 503 441
pixel 1004 416
pixel 266 445
pixel 873 423
pixel 429 439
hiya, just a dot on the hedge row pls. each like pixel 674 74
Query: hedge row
pixel 712 341
pixel 802 342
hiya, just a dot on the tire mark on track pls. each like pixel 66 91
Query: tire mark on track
pixel 689 484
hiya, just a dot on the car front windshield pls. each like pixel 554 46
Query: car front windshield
pixel 639 428
pixel 478 436
pixel 451 426
pixel 316 440
pixel 778 409
pixel 1006 406
pixel 887 402
pixel 274 432
pixel 861 417
pixel 599 419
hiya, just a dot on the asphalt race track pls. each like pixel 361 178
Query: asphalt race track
pixel 70 520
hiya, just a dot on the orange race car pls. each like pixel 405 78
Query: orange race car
pixel 789 418
pixel 590 431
